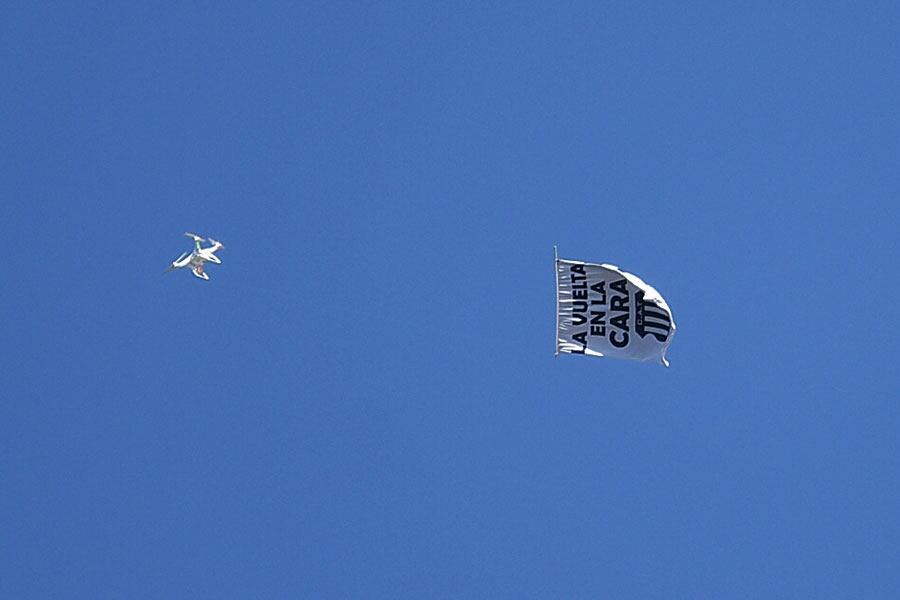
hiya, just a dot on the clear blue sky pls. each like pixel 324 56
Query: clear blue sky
pixel 363 401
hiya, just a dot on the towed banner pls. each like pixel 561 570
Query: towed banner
pixel 604 311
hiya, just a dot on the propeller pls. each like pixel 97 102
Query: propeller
pixel 179 259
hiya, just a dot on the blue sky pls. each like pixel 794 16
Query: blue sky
pixel 363 401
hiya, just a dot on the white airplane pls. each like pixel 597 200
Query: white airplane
pixel 198 257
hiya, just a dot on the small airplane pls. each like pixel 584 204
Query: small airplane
pixel 196 259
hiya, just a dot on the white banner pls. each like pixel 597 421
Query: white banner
pixel 604 311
